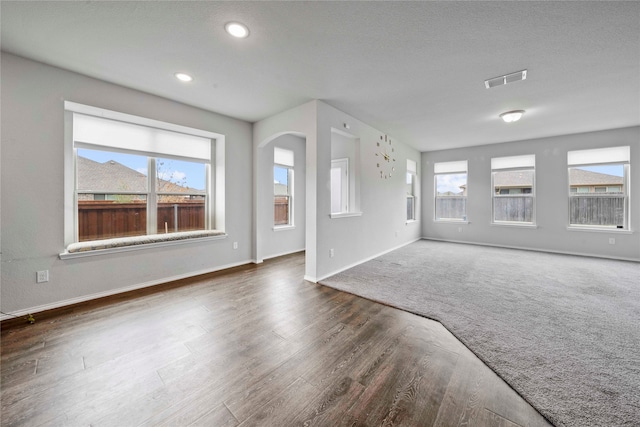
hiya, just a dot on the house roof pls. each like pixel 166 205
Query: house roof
pixel 513 179
pixel 112 176
pixel 580 177
pixel 413 69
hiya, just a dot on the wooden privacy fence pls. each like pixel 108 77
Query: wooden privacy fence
pixel 451 207
pixel 513 208
pixel 596 210
pixel 280 210
pixel 106 219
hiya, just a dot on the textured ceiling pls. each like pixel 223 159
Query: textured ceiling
pixel 414 70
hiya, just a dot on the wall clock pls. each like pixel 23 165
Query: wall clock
pixel 386 157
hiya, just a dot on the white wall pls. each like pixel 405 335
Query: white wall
pixel 551 197
pixel 382 202
pixel 32 191
pixel 382 225
pixel 284 240
pixel 299 121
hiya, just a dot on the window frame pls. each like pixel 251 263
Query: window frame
pixel 343 165
pixel 153 194
pixel 457 167
pixel 624 194
pixel 411 180
pixel 289 195
pixel 215 180
pixel 520 163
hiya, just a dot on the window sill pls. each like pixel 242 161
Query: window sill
pixel 451 221
pixel 411 221
pixel 124 244
pixel 514 224
pixel 345 214
pixel 283 227
pixel 599 229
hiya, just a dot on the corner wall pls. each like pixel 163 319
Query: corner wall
pixel 552 210
pixel 287 240
pixel 382 225
pixel 32 191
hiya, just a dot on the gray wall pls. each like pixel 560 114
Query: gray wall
pixel 284 241
pixel 32 191
pixel 551 197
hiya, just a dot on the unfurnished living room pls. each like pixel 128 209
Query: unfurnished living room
pixel 329 213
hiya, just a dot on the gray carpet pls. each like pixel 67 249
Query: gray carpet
pixel 564 331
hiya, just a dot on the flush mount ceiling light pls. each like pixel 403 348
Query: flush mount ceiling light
pixel 183 77
pixel 512 116
pixel 237 29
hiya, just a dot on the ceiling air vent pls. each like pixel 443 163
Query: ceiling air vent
pixel 508 78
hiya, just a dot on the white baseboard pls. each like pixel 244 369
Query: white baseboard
pixel 283 254
pixel 84 298
pixel 316 280
pixel 524 248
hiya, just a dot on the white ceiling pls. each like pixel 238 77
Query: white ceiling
pixel 414 70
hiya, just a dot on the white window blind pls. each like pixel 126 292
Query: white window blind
pixel 526 161
pixel 282 156
pixel 96 132
pixel 412 167
pixel 450 167
pixel 599 156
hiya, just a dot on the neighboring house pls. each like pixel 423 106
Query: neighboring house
pixel 582 181
pixel 103 179
pixel 280 189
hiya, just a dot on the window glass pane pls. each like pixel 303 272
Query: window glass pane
pixel 282 195
pixel 411 212
pixel 180 176
pixel 451 196
pixel 597 196
pixel 280 180
pixel 110 172
pixel 180 213
pixel 513 196
pixel 410 179
pixel 339 185
pixel 109 216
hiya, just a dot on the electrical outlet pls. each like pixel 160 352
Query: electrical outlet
pixel 235 245
pixel 459 229
pixel 612 240
pixel 42 276
pixel 396 233
pixel 331 253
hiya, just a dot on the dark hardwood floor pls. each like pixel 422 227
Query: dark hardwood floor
pixel 253 345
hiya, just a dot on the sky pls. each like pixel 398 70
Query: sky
pixel 279 175
pixel 451 182
pixel 190 174
pixel 617 170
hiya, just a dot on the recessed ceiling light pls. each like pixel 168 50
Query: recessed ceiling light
pixel 237 29
pixel 512 116
pixel 183 77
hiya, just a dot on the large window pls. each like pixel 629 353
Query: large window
pixel 130 179
pixel 282 187
pixel 598 188
pixel 411 190
pixel 451 191
pixel 513 185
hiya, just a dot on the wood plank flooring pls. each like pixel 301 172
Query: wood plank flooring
pixel 251 346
